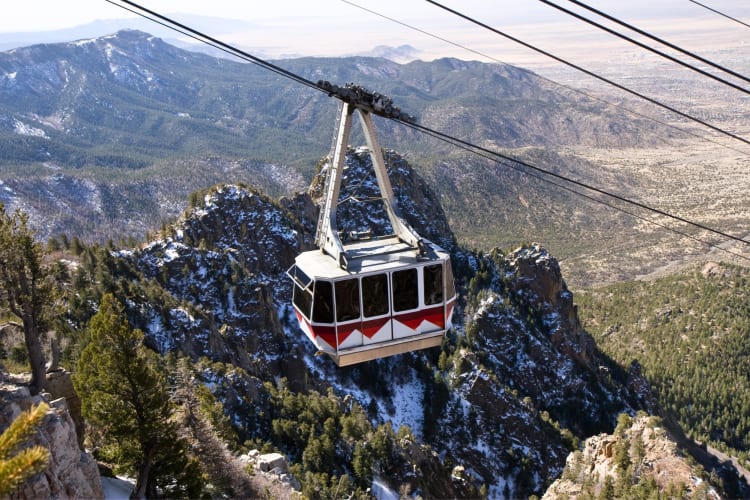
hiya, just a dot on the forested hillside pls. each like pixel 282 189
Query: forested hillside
pixel 495 411
pixel 691 334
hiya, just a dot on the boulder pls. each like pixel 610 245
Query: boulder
pixel 272 462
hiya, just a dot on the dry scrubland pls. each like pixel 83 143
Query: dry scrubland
pixel 708 185
pixel 702 175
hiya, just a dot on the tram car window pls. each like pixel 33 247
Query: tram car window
pixel 433 284
pixel 347 299
pixel 323 302
pixel 405 290
pixel 375 295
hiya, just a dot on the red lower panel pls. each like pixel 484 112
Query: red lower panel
pixel 373 326
pixel 413 319
pixel 346 330
pixel 326 333
pixel 435 315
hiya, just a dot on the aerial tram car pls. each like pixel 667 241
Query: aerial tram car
pixel 369 297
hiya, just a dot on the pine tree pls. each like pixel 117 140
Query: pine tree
pixel 26 462
pixel 124 398
pixel 25 287
pixel 608 489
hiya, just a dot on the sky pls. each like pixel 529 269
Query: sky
pixel 290 28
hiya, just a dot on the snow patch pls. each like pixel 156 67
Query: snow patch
pixel 81 43
pixel 407 399
pixel 21 128
pixel 381 491
pixel 171 253
pixel 117 488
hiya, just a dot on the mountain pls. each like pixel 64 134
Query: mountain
pixel 497 409
pixel 138 95
pixel 106 137
pixel 102 27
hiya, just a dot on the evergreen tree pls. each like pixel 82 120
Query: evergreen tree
pixel 608 489
pixel 25 287
pixel 124 398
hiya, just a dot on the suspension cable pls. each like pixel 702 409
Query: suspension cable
pixel 591 73
pixel 661 40
pixel 553 82
pixel 582 184
pixel 513 165
pixel 715 11
pixel 651 49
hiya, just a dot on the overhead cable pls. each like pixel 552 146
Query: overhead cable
pixel 582 184
pixel 553 82
pixel 434 133
pixel 514 165
pixel 661 40
pixel 591 73
pixel 648 47
pixel 720 13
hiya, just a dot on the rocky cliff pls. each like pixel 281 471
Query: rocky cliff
pixel 527 381
pixel 71 473
pixel 640 459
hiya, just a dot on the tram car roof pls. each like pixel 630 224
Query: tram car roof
pixel 368 257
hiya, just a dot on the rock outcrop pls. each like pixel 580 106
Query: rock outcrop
pixel 640 459
pixel 71 473
pixel 60 385
pixel 272 467
pixel 360 207
pixel 222 265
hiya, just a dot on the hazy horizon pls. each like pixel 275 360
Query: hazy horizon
pixel 338 28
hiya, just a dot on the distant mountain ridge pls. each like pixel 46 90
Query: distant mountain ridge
pixel 141 124
pixel 137 87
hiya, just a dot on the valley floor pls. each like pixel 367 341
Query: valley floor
pixel 707 186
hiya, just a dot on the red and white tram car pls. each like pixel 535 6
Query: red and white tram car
pixel 372 297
